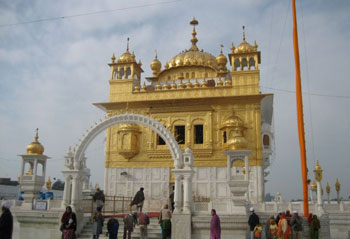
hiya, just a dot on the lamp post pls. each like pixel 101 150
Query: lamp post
pixel 337 188
pixel 328 190
pixel 318 177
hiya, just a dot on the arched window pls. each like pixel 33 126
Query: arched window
pixel 266 140
pixel 127 73
pixel 251 63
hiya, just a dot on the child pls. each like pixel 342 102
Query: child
pixel 257 231
pixel 273 229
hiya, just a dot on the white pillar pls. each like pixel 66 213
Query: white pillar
pixel 66 192
pixel 260 183
pixel 75 193
pixel 177 193
pixel 319 199
pixel 229 168
pixel 187 193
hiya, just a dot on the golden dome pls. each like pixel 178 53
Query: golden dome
pixel 126 57
pixel 313 185
pixel 245 47
pixel 221 59
pixel 233 121
pixel 35 147
pixel 193 56
pixel 156 65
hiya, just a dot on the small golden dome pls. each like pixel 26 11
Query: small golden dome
pixel 127 57
pixel 313 185
pixel 233 121
pixel 156 65
pixel 35 147
pixel 245 47
pixel 173 86
pixel 237 142
pixel 221 59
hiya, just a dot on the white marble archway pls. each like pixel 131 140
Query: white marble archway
pixel 163 132
pixel 75 162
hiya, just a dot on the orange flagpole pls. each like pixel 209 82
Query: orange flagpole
pixel 301 130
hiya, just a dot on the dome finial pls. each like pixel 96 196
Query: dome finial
pixel 243 27
pixel 156 57
pixel 127 45
pixel 36 134
pixel 221 46
pixel 194 39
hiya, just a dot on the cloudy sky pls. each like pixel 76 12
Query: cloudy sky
pixel 53 70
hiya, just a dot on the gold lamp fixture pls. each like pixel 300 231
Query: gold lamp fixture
pixel 318 172
pixel 337 186
pixel 48 184
pixel 328 188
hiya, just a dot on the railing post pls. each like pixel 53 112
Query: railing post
pixel 113 204
pixel 123 204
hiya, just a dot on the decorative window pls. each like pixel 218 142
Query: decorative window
pixel 160 140
pixel 180 134
pixel 198 134
pixel 224 137
pixel 266 140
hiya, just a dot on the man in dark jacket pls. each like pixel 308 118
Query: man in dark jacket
pixel 6 221
pixel 253 221
pixel 138 200
pixel 99 198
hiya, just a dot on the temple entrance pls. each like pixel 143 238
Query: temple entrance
pixel 75 164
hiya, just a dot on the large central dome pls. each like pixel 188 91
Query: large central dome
pixel 193 56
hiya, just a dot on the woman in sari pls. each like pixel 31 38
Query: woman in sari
pixel 69 224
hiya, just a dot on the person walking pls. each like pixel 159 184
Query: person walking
pixel 99 198
pixel 97 224
pixel 6 221
pixel 138 200
pixel 112 228
pixel 215 227
pixel 314 227
pixel 297 225
pixel 165 216
pixel 69 224
pixel 284 231
pixel 143 222
pixel 129 224
pixel 253 221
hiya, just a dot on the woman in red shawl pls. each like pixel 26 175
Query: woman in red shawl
pixel 69 224
pixel 215 228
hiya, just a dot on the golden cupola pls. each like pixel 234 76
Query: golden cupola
pixel 221 60
pixel 245 47
pixel 35 147
pixel 234 139
pixel 126 57
pixel 156 65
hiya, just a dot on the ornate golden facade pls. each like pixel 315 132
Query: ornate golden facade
pixel 195 91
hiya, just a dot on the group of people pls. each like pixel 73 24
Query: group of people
pixel 284 226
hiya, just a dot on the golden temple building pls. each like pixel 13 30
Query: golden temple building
pixel 209 103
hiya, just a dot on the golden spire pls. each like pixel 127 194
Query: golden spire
pixel 221 46
pixel 337 186
pixel 233 48
pixel 194 39
pixel 243 33
pixel 156 57
pixel 113 58
pixel 127 45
